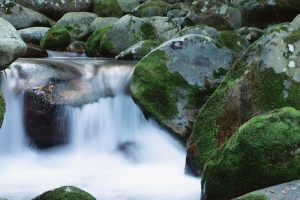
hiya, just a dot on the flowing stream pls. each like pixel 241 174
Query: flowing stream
pixel 114 152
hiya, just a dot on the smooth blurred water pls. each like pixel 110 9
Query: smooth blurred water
pixel 114 153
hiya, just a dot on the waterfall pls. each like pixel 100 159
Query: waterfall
pixel 114 152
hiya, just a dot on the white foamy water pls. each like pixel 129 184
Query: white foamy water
pixel 114 153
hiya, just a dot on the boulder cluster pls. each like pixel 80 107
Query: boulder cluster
pixel 222 76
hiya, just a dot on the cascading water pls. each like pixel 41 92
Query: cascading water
pixel 114 152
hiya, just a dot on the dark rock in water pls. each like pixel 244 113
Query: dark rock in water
pixel 76 47
pixel 35 51
pixel 56 38
pixel 65 193
pixel 52 84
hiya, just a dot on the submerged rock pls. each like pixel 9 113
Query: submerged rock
pixel 263 152
pixel 172 82
pixel 35 51
pixel 11 44
pixel 265 78
pixel 65 193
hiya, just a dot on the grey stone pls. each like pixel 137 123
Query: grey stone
pixel 11 44
pixel 101 22
pixel 33 35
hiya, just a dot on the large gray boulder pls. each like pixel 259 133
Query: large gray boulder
pixel 11 44
pixel 77 23
pixel 33 35
pixel 130 30
pixel 55 9
pixel 21 17
pixel 173 81
pixel 265 78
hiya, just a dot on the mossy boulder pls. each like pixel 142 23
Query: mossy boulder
pixel 77 23
pixel 263 13
pixel 222 15
pixel 265 78
pixel 263 152
pixel 152 8
pixel 171 83
pixel 11 44
pixel 107 8
pixel 56 38
pixel 15 14
pixel 138 51
pixel 130 30
pixel 65 193
pixel 92 47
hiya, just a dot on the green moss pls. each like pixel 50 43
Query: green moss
pixel 270 87
pixel 92 47
pixel 107 48
pixel 2 108
pixel 292 37
pixel 205 127
pixel 56 38
pixel 107 8
pixel 155 87
pixel 233 41
pixel 148 31
pixel 253 197
pixel 142 10
pixel 65 193
pixel 264 152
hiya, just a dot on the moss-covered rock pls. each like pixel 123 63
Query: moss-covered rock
pixel 65 193
pixel 138 51
pixel 56 38
pixel 101 22
pixel 152 8
pixel 250 33
pixel 264 152
pixel 130 30
pixel 107 8
pixel 171 83
pixel 77 23
pixel 92 47
pixel 264 79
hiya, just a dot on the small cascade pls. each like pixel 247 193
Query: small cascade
pixel 63 54
pixel 12 135
pixel 114 152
